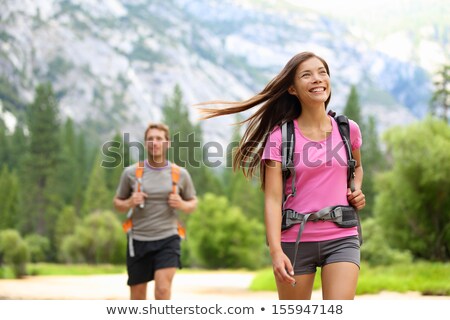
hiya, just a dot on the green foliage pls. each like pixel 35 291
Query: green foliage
pixel 413 206
pixel 14 251
pixel 97 239
pixel 372 161
pixel 9 199
pixel 220 236
pixel 42 160
pixel 4 142
pixel 52 269
pixel 424 277
pixel 17 148
pixel 68 174
pixel 10 100
pixel 377 250
pixel 38 247
pixel 97 196
pixel 65 226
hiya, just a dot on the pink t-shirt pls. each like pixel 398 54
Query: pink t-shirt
pixel 321 168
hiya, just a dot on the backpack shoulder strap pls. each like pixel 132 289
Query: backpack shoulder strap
pixel 139 174
pixel 287 157
pixel 175 171
pixel 344 130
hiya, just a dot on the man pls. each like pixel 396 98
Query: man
pixel 154 245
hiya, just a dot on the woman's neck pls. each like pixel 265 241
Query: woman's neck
pixel 313 118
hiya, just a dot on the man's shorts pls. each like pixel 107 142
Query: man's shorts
pixel 150 256
pixel 311 255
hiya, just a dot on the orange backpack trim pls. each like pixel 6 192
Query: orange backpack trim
pixel 175 179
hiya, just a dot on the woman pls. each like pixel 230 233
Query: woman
pixel 301 92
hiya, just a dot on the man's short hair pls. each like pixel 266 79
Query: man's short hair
pixel 159 126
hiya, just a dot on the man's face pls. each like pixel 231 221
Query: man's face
pixel 156 143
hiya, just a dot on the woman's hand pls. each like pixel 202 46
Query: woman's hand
pixel 357 199
pixel 282 268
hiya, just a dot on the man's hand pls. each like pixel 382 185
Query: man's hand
pixel 175 201
pixel 137 198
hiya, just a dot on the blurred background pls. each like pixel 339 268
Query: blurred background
pixel 78 77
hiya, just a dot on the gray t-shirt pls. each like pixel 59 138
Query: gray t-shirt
pixel 157 220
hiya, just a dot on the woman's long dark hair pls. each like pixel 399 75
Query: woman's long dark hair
pixel 277 107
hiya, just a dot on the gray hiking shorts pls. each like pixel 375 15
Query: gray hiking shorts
pixel 318 254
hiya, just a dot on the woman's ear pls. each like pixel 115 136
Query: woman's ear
pixel 292 91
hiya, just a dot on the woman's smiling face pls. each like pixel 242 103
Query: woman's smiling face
pixel 311 83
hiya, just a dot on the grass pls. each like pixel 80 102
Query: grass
pixel 52 269
pixel 424 277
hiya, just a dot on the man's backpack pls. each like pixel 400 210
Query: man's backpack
pixel 287 156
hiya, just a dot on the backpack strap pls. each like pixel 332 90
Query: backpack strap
pixel 139 174
pixel 344 130
pixel 127 225
pixel 175 172
pixel 287 158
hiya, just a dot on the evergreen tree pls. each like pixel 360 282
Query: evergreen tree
pixel 9 199
pixel 68 174
pixel 84 162
pixel 18 147
pixel 352 108
pixel 440 102
pixel 4 143
pixel 373 163
pixel 118 152
pixel 97 196
pixel 42 160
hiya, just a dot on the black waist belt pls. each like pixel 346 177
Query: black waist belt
pixel 343 216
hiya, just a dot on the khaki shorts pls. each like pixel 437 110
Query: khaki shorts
pixel 318 254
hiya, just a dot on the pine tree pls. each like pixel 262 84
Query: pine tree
pixel 9 199
pixel 352 108
pixel 18 147
pixel 372 163
pixel 97 196
pixel 4 143
pixel 42 160
pixel 440 102
pixel 68 174
pixel 118 151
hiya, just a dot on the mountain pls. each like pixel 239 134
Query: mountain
pixel 112 63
